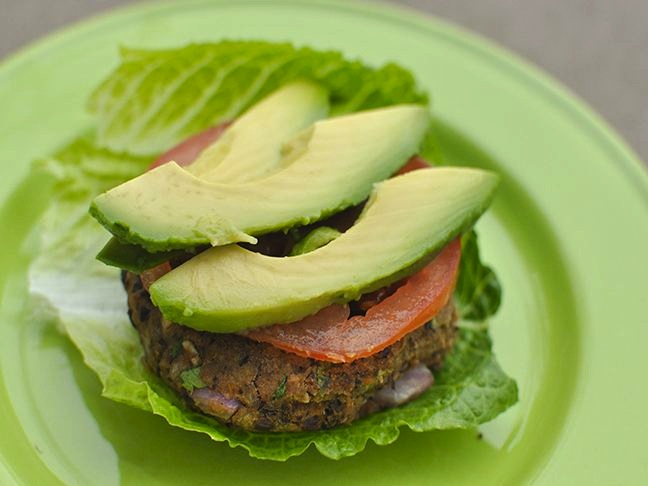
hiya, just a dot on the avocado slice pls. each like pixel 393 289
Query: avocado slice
pixel 331 166
pixel 133 257
pixel 405 222
pixel 252 146
pixel 249 149
pixel 317 238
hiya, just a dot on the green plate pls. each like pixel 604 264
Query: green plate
pixel 567 234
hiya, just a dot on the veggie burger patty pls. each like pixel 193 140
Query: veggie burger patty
pixel 256 386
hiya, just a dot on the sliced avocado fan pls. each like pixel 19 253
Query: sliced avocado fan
pixel 249 149
pixel 406 221
pixel 332 165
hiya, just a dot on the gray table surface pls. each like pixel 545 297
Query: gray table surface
pixel 598 48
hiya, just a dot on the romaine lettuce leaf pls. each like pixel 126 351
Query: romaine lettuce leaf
pixel 156 98
pixel 91 307
pixel 478 292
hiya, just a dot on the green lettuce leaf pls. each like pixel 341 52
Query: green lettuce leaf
pixel 155 98
pixel 478 292
pixel 91 307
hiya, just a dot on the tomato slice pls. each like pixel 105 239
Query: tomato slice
pixel 188 150
pixel 150 275
pixel 330 335
pixel 414 163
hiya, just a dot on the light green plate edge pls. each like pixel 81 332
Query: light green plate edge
pixel 567 234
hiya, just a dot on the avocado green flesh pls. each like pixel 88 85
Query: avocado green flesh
pixel 315 239
pixel 336 162
pixel 252 146
pixel 249 149
pixel 407 220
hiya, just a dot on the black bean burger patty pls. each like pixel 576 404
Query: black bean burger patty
pixel 256 386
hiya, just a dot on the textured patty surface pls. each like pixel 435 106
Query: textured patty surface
pixel 256 386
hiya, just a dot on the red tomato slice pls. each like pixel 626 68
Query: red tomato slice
pixel 330 336
pixel 152 274
pixel 186 152
pixel 414 163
